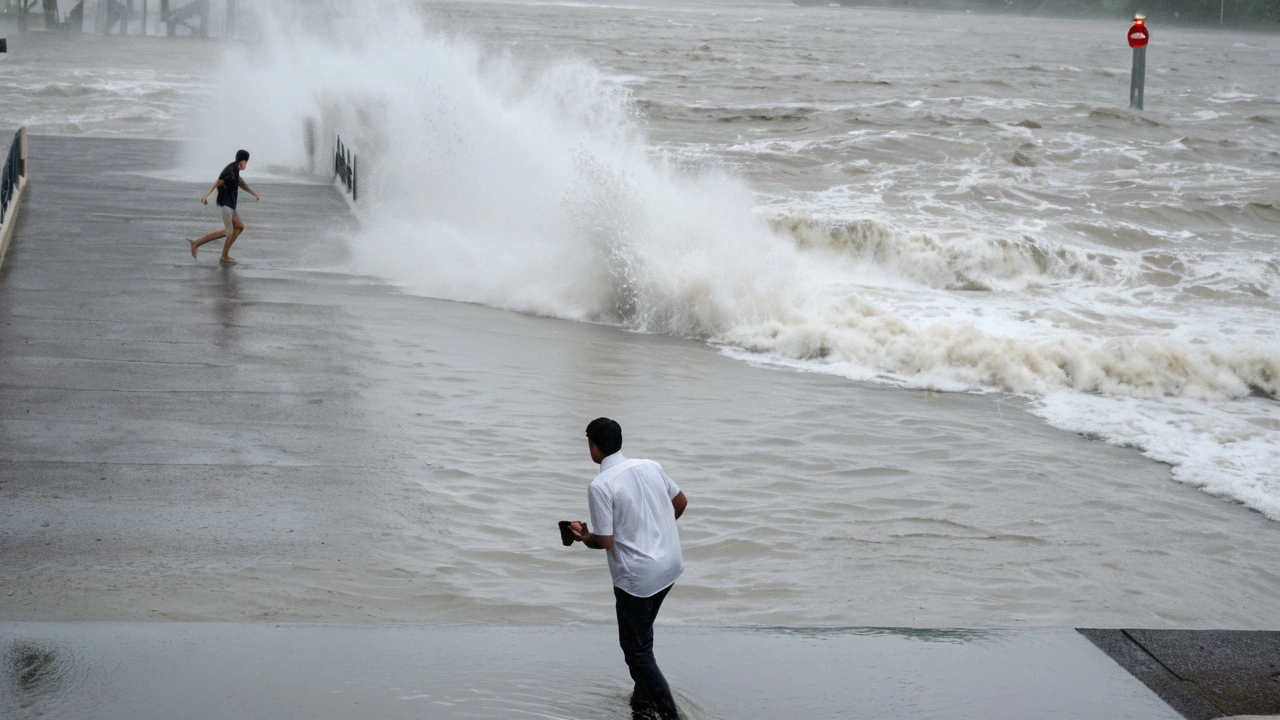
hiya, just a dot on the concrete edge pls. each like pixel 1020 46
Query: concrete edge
pixel 11 217
pixel 1202 674
pixel 1181 695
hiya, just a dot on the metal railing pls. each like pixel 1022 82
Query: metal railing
pixel 15 168
pixel 344 166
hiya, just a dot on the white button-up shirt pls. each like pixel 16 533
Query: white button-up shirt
pixel 631 500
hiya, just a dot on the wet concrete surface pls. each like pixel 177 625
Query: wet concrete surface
pixel 223 400
pixel 242 410
pixel 213 670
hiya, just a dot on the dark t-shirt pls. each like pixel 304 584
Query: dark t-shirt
pixel 230 178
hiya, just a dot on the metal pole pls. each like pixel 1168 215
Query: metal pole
pixel 231 19
pixel 1138 80
pixel 309 143
pixel 144 18
pixel 1222 11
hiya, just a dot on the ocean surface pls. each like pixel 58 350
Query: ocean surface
pixel 953 217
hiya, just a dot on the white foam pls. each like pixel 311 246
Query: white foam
pixel 1230 449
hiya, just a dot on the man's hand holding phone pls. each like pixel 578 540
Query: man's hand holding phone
pixel 572 531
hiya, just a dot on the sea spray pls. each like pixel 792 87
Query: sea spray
pixel 530 185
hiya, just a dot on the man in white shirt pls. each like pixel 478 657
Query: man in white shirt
pixel 633 507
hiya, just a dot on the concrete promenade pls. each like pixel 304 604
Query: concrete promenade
pixel 232 405
pixel 221 399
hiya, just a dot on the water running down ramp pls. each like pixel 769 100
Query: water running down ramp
pixel 204 671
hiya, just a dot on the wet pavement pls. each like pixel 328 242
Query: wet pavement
pixel 211 670
pixel 235 405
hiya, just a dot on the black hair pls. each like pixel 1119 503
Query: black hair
pixel 606 434
pixel 242 156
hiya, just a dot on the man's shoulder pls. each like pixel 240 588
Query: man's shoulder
pixel 647 465
pixel 624 468
pixel 230 169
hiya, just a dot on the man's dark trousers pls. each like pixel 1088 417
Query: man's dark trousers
pixel 635 634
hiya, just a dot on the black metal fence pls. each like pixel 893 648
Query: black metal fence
pixel 344 166
pixel 15 168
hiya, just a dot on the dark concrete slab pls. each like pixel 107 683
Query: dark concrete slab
pixel 1203 674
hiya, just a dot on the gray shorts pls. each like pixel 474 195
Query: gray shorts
pixel 227 214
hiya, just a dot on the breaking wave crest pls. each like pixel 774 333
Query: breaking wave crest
pixel 952 264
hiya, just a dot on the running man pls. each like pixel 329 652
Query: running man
pixel 634 507
pixel 228 186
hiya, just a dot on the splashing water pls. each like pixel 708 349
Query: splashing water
pixel 531 185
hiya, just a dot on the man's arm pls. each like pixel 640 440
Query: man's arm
pixel 255 195
pixel 679 503
pixel 216 184
pixel 590 539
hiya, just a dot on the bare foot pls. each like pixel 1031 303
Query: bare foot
pixel 193 248
pixel 227 260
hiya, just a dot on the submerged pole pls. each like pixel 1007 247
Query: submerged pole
pixel 1138 79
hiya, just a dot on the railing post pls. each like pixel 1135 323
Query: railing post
pixel 12 181
pixel 345 167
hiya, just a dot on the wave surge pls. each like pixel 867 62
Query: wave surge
pixel 532 187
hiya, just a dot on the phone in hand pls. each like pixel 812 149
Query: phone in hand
pixel 566 535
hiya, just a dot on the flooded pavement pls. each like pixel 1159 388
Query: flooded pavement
pixel 212 670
